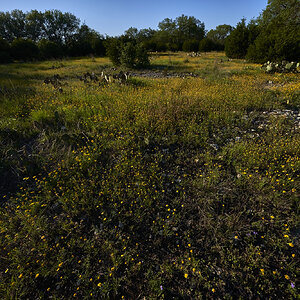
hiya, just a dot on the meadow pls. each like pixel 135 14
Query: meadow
pixel 182 183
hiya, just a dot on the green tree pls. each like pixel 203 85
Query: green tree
pixel 49 49
pixel 59 27
pixel 128 55
pixel 113 50
pixel 237 42
pixel 190 45
pixel 86 41
pixel 189 28
pixel 279 36
pixel 142 57
pixel 12 25
pixel 131 33
pixel 219 35
pixel 206 45
pixel 34 25
pixel 173 33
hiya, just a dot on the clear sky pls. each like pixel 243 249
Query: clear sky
pixel 113 17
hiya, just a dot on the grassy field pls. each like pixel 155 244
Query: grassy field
pixel 182 183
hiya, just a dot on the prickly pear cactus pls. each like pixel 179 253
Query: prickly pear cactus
pixel 281 67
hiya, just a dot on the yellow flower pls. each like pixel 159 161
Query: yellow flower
pixel 272 217
pixel 287 277
pixel 99 284
pixel 262 271
pixel 37 275
pixel 291 244
pixel 213 290
pixel 186 275
pixel 21 275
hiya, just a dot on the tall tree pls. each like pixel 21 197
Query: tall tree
pixel 279 36
pixel 189 28
pixel 237 43
pixel 12 25
pixel 58 26
pixel 35 25
pixel 176 32
pixel 219 35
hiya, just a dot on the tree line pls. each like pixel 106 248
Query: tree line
pixel 43 35
pixel 274 35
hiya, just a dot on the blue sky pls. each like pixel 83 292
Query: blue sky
pixel 113 17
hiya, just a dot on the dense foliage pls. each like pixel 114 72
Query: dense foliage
pixel 218 36
pixel 238 42
pixel 274 36
pixel 279 36
pixel 57 34
pixel 127 54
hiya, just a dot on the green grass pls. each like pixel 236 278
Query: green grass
pixel 178 188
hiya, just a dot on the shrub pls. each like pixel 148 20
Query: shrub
pixel 128 55
pixel 24 49
pixel 190 45
pixel 98 47
pixel 237 43
pixel 275 44
pixel 49 49
pixel 79 48
pixel 113 51
pixel 206 45
pixel 142 57
pixel 4 51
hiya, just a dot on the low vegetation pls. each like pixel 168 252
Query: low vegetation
pixel 181 182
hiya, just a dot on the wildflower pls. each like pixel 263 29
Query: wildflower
pixel 186 275
pixel 37 275
pixel 291 244
pixel 292 285
pixel 287 277
pixel 213 290
pixel 262 271
pixel 161 287
pixel 272 217
pixel 21 275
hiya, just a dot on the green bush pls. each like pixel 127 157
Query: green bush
pixel 206 45
pixel 142 57
pixel 275 44
pixel 113 51
pixel 49 49
pixel 190 45
pixel 24 49
pixel 237 43
pixel 128 55
pixel 4 51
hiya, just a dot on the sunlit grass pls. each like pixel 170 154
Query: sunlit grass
pixel 181 187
